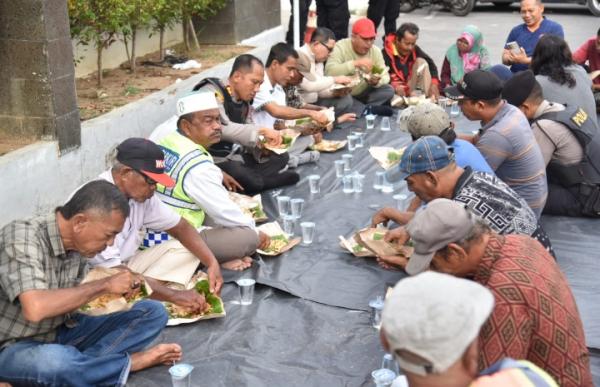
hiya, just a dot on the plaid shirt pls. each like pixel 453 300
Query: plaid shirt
pixel 32 256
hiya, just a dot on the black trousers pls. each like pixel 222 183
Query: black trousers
pixel 390 9
pixel 258 177
pixel 303 6
pixel 565 201
pixel 335 15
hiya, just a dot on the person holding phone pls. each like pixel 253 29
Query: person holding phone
pixel 522 39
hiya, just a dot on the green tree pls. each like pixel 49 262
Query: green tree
pixel 201 8
pixel 165 14
pixel 137 16
pixel 97 22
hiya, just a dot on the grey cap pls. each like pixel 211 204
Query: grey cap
pixel 427 119
pixel 443 221
pixel 436 317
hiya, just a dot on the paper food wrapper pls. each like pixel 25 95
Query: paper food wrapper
pixel 273 229
pixel 400 100
pixel 307 124
pixel 197 317
pixel 386 156
pixel 329 145
pixel 367 76
pixel 280 149
pixel 111 303
pixel 372 239
pixel 250 205
pixel 354 247
pixel 355 81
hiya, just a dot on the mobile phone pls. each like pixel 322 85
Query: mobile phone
pixel 513 47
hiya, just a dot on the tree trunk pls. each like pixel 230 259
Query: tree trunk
pixel 161 43
pixel 193 33
pixel 126 43
pixel 184 27
pixel 99 47
pixel 132 60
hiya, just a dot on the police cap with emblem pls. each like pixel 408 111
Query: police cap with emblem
pixel 145 157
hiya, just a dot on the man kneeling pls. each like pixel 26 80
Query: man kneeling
pixel 42 261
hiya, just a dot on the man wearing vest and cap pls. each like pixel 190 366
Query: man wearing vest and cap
pixel 137 168
pixel 431 324
pixel 505 139
pixel 535 317
pixel 358 53
pixel 198 194
pixel 570 144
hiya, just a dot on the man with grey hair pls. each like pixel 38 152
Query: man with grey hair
pixel 43 340
pixel 431 323
pixel 532 295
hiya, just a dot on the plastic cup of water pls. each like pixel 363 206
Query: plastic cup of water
pixel 347 162
pixel 283 205
pixel 360 139
pixel 376 310
pixel 358 182
pixel 288 225
pixel 388 362
pixel 347 185
pixel 370 118
pixel 454 110
pixel 379 180
pixel 383 377
pixel 400 201
pixel 297 205
pixel 339 167
pixel 443 102
pixel 385 124
pixel 181 374
pixel 352 141
pixel 313 183
pixel 246 290
pixel 308 232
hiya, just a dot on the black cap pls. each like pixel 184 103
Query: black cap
pixel 517 89
pixel 477 85
pixel 146 157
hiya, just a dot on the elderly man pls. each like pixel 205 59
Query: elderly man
pixel 533 299
pixel 316 88
pixel 505 139
pixel 442 348
pixel 522 39
pixel 137 168
pixel 411 69
pixel 42 262
pixel 359 54
pixel 198 194
pixel 431 173
pixel 570 144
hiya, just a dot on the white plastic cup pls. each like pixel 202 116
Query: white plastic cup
pixel 347 162
pixel 297 205
pixel 379 180
pixel 347 185
pixel 443 103
pixel 358 182
pixel 339 167
pixel 383 377
pixel 352 141
pixel 376 310
pixel 454 110
pixel 385 124
pixel 313 183
pixel 283 205
pixel 181 374
pixel 360 139
pixel 370 118
pixel 246 290
pixel 400 201
pixel 308 232
pixel 288 225
pixel 388 362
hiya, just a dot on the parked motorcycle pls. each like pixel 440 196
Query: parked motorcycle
pixel 457 7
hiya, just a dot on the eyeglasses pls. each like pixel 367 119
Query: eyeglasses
pixel 147 179
pixel 329 49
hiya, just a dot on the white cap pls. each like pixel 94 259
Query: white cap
pixel 436 317
pixel 196 102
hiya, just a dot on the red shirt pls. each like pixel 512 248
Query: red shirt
pixel 535 317
pixel 588 52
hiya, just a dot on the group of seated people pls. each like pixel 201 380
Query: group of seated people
pixel 162 211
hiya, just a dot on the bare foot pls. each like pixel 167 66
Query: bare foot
pixel 237 264
pixel 159 354
pixel 391 262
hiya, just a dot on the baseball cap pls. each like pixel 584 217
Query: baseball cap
pixel 443 221
pixel 436 317
pixel 517 89
pixel 364 28
pixel 196 102
pixel 428 153
pixel 427 119
pixel 303 63
pixel 146 157
pixel 477 85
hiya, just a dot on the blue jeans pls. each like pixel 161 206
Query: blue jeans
pixel 93 353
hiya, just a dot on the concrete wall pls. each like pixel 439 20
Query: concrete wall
pixel 35 179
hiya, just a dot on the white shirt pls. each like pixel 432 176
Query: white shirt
pixel 152 214
pixel 203 184
pixel 163 130
pixel 267 94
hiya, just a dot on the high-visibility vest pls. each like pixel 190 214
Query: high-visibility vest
pixel 181 155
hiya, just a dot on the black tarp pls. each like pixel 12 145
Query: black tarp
pixel 309 324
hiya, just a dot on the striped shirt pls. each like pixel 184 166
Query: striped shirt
pixel 508 145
